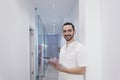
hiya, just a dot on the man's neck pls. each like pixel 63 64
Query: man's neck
pixel 68 42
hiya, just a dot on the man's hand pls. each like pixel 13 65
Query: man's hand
pixel 55 64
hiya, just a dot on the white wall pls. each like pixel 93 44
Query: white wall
pixel 14 38
pixel 82 21
pixel 110 39
pixel 101 23
pixel 91 36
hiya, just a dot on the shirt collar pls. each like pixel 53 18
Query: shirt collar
pixel 72 44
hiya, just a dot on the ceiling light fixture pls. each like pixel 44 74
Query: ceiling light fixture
pixel 54 14
pixel 54 5
pixel 54 28
pixel 54 20
pixel 54 25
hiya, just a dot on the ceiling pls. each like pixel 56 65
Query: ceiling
pixel 53 13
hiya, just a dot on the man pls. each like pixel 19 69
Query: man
pixel 71 64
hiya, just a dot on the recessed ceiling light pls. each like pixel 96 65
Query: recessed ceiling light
pixel 53 20
pixel 54 5
pixel 54 30
pixel 53 27
pixel 54 14
pixel 53 24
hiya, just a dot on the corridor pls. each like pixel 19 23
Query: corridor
pixel 29 28
pixel 50 74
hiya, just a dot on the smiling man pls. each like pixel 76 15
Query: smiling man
pixel 72 59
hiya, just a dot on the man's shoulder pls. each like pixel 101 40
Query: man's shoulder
pixel 62 47
pixel 79 44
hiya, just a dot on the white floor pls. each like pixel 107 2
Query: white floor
pixel 51 74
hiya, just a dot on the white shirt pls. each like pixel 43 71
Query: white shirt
pixel 74 55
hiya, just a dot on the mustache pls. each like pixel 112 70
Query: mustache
pixel 67 35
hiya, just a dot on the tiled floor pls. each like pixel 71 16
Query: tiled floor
pixel 51 74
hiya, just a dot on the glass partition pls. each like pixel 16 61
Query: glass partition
pixel 41 49
pixel 45 46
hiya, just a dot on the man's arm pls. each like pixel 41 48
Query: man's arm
pixel 59 67
pixel 76 70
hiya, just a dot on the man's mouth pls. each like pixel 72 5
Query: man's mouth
pixel 67 35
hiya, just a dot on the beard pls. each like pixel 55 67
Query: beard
pixel 68 37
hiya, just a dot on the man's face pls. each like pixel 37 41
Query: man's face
pixel 68 32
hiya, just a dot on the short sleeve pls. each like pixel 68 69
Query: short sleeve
pixel 81 57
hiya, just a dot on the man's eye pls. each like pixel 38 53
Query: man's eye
pixel 69 30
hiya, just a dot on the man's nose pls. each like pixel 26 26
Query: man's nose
pixel 66 33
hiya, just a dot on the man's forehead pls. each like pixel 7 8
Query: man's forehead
pixel 67 27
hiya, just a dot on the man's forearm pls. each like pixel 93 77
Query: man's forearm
pixel 59 67
pixel 77 70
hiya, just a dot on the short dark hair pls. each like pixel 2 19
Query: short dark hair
pixel 68 23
